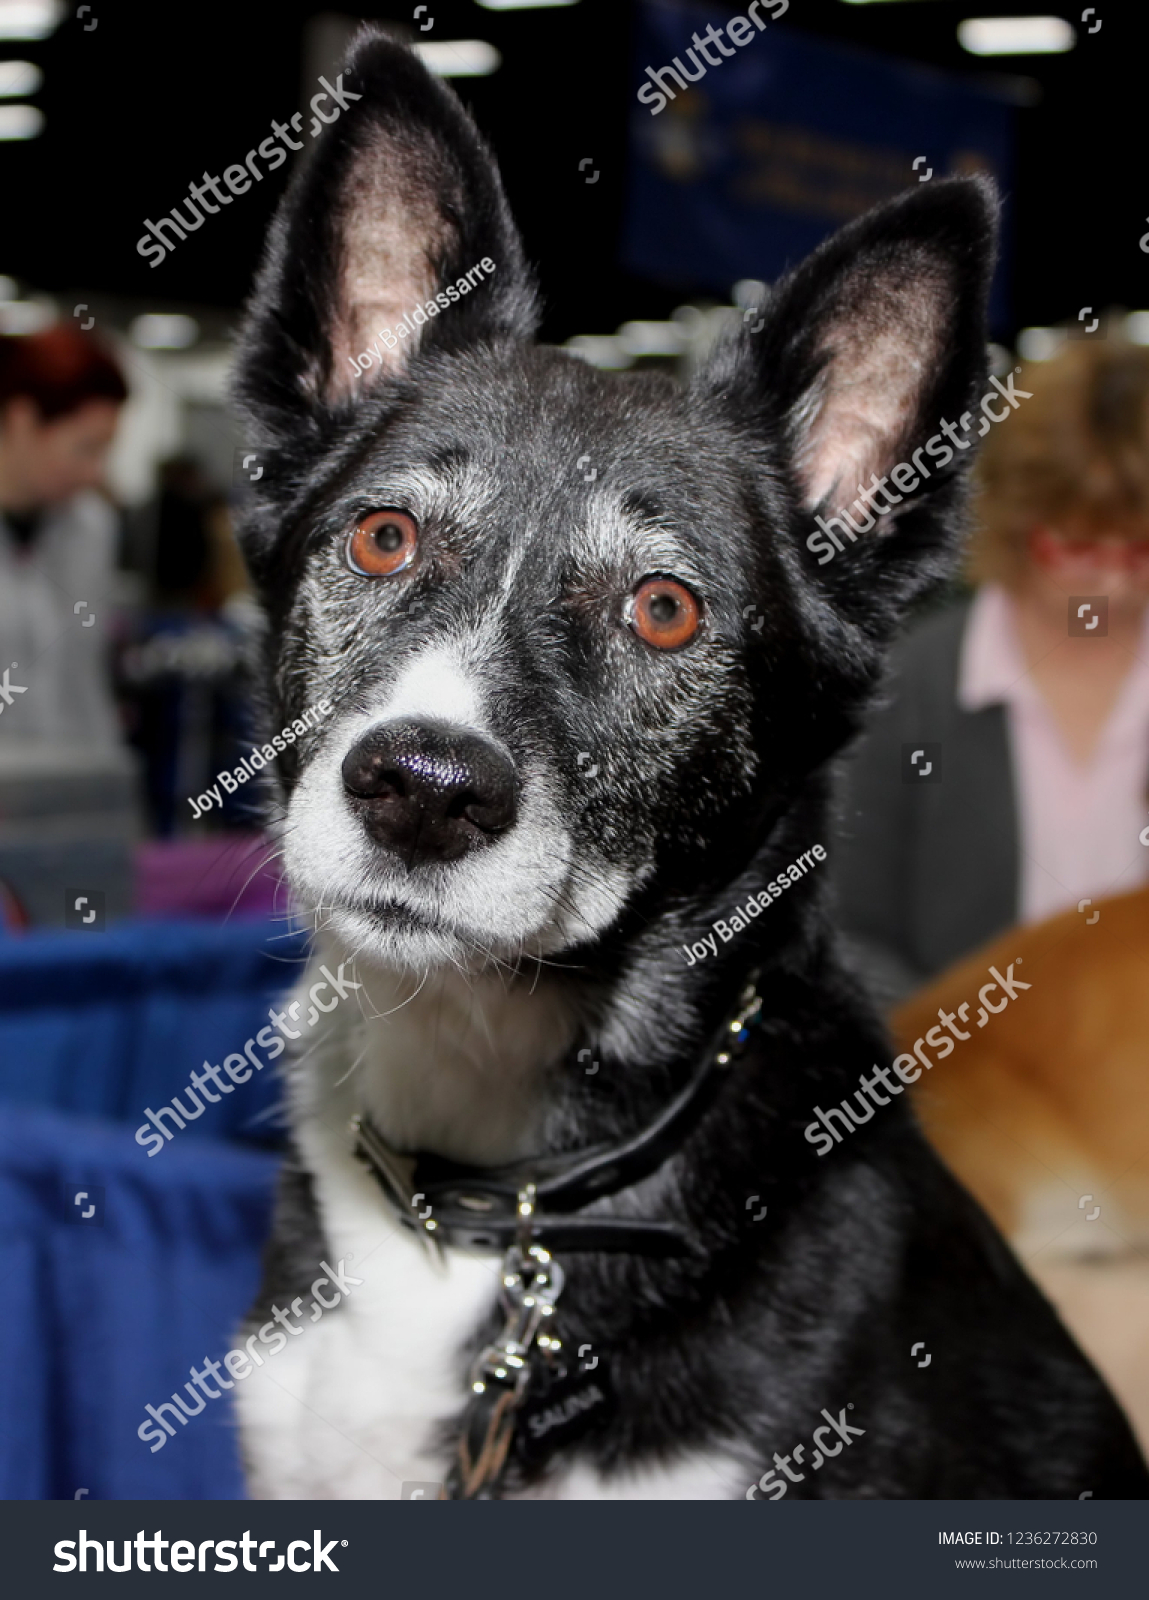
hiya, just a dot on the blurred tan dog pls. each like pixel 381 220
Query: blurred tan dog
pixel 1044 1115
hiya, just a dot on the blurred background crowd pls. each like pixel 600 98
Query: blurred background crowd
pixel 1000 790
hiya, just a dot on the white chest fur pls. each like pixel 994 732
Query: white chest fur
pixel 353 1406
pixel 349 1409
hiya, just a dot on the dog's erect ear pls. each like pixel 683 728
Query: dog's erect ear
pixel 398 199
pixel 862 353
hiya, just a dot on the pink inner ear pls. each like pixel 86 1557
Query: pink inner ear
pixel 389 232
pixel 884 342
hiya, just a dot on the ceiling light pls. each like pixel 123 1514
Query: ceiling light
pixel 652 338
pixel 19 78
pixel 599 350
pixel 30 19
pixel 25 316
pixel 1016 36
pixel 1040 344
pixel 522 5
pixel 1137 327
pixel 163 331
pixel 750 292
pixel 20 121
pixel 459 58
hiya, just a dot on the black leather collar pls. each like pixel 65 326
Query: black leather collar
pixel 478 1208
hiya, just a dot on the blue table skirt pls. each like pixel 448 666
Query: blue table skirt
pixel 107 1313
pixel 107 1024
pixel 102 1317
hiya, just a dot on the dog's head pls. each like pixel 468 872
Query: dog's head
pixel 579 632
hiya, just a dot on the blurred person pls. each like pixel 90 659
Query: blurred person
pixel 1027 706
pixel 183 689
pixel 182 543
pixel 60 399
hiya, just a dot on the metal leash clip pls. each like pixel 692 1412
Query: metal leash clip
pixel 531 1283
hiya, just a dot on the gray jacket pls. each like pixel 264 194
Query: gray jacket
pixel 55 604
pixel 926 864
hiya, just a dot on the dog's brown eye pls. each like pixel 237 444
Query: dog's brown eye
pixel 664 613
pixel 383 543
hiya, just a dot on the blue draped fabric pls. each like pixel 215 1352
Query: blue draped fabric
pixel 122 1271
pixel 105 1317
pixel 108 1023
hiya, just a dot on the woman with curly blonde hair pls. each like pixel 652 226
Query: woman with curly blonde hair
pixel 1028 702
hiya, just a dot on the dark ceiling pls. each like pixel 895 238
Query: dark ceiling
pixel 154 94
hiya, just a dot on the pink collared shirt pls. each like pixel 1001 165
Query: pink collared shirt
pixel 1079 825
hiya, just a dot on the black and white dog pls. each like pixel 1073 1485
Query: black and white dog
pixel 577 719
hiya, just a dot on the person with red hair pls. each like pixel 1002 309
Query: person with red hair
pixel 60 399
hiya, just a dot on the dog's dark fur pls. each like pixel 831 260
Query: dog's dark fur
pixel 711 776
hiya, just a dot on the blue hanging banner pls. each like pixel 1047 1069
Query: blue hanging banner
pixel 751 142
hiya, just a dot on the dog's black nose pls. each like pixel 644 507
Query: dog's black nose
pixel 430 791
